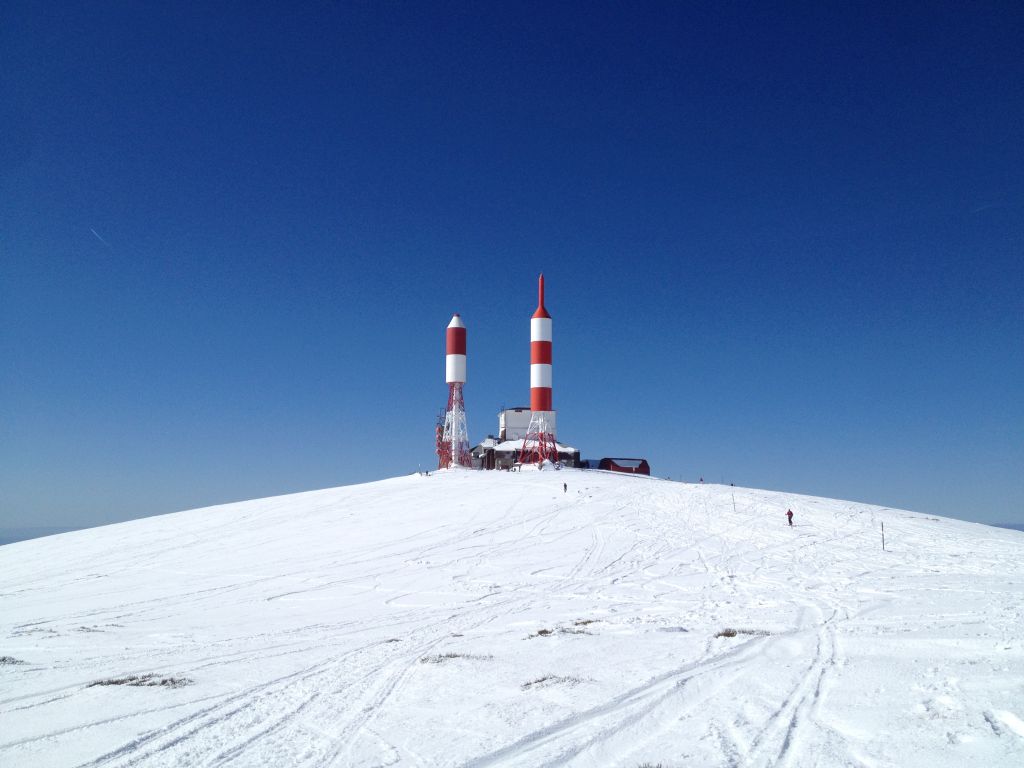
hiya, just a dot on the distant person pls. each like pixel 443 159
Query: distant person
pixel 565 487
pixel 702 479
pixel 789 516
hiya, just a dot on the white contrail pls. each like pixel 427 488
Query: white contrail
pixel 985 207
pixel 98 237
pixel 990 206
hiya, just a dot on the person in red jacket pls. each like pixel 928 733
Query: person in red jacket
pixel 789 516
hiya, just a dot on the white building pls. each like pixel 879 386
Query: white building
pixel 503 451
pixel 514 423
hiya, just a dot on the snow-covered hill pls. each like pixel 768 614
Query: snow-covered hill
pixel 488 618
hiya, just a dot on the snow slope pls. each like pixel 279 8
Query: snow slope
pixel 488 618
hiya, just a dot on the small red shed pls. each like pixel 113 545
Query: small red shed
pixel 629 466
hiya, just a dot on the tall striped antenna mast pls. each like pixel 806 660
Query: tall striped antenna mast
pixel 452 436
pixel 540 435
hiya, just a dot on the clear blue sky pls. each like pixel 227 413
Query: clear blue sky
pixel 783 247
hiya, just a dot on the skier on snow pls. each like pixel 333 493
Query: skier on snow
pixel 789 516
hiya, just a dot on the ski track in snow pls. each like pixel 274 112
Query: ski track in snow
pixel 485 618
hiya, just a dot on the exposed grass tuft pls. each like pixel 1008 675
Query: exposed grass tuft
pixel 44 631
pixel 441 658
pixel 8 660
pixel 574 630
pixel 728 632
pixel 547 680
pixel 149 680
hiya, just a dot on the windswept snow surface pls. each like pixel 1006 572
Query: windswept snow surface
pixel 489 618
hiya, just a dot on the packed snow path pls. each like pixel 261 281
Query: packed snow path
pixel 488 618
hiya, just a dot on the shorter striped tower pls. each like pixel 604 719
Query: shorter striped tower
pixel 452 434
pixel 540 436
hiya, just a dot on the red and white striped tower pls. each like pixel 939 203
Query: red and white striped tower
pixel 540 354
pixel 452 436
pixel 540 435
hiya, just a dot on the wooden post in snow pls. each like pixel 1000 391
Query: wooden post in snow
pixel 883 537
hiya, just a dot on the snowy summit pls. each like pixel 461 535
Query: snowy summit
pixel 491 618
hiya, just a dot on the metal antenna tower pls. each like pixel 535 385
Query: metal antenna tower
pixel 539 443
pixel 452 435
pixel 453 440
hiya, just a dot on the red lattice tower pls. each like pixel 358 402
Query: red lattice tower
pixel 539 444
pixel 452 434
pixel 444 452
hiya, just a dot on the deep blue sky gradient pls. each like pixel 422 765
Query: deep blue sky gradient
pixel 783 246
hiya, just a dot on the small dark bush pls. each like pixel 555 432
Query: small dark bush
pixel 734 632
pixel 10 660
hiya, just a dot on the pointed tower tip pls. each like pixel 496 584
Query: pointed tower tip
pixel 541 311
